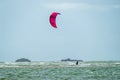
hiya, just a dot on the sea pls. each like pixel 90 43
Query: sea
pixel 57 70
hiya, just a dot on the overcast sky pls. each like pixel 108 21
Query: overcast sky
pixel 87 30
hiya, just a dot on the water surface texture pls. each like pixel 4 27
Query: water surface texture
pixel 60 71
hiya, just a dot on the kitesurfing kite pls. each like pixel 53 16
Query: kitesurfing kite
pixel 52 19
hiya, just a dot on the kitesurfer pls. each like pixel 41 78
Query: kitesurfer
pixel 77 63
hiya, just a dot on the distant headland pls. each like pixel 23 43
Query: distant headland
pixel 68 59
pixel 22 60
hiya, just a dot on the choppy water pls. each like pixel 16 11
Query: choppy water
pixel 60 71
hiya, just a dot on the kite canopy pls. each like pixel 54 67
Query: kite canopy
pixel 52 19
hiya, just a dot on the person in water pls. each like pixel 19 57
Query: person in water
pixel 77 63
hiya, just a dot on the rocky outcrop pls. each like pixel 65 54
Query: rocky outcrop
pixel 23 60
pixel 68 59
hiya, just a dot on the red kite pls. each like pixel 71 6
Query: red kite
pixel 53 19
